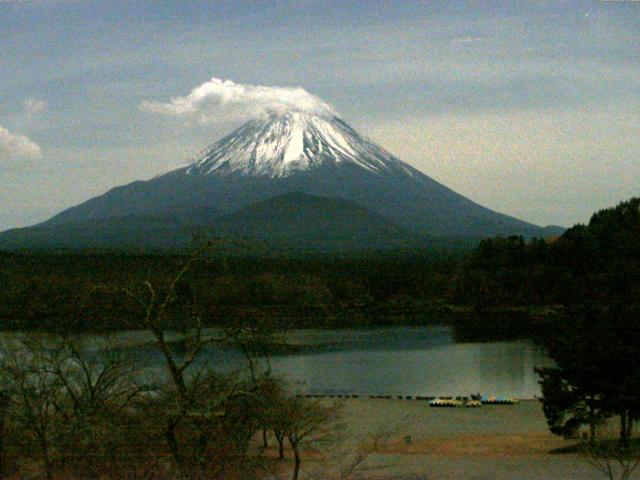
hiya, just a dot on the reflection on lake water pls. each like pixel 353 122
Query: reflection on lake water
pixel 395 361
pixel 415 361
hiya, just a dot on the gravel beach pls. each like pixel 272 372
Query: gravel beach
pixel 490 442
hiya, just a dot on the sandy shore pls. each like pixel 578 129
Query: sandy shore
pixel 490 442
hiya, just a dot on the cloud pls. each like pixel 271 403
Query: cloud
pixel 467 39
pixel 33 106
pixel 13 145
pixel 221 100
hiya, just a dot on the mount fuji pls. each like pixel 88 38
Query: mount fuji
pixel 293 178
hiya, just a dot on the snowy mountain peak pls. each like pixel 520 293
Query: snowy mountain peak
pixel 281 144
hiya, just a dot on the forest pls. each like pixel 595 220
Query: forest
pixel 83 291
pixel 65 408
pixel 502 288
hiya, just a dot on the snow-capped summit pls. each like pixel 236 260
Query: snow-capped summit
pixel 280 144
pixel 288 174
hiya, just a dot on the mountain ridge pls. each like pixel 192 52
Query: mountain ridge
pixel 278 145
pixel 318 155
pixel 293 221
pixel 298 220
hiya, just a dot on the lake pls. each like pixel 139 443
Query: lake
pixel 393 361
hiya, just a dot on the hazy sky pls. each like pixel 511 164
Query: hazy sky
pixel 529 108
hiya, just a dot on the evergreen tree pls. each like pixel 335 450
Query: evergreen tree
pixel 597 372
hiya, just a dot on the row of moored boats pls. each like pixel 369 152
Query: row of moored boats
pixel 471 402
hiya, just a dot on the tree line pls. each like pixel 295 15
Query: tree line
pixel 585 286
pixel 503 288
pixel 582 287
pixel 70 409
pixel 65 292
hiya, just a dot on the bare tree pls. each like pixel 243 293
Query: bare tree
pixel 612 459
pixel 352 460
pixel 154 307
pixel 345 458
pixel 66 399
pixel 271 391
pixel 33 395
pixel 93 381
pixel 255 344
pixel 202 409
pixel 97 405
pixel 308 424
pixel 153 310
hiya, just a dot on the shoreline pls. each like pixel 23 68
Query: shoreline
pixel 491 443
pixel 419 398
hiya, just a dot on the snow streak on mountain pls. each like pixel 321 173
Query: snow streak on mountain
pixel 281 144
pixel 292 176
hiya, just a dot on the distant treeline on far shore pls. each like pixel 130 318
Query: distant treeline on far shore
pixel 500 288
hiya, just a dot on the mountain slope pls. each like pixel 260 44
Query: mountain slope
pixel 297 152
pixel 280 145
pixel 127 232
pixel 296 220
pixel 293 221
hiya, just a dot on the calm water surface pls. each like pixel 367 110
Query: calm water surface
pixel 394 361
pixel 412 361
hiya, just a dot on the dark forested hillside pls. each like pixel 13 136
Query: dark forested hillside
pixel 594 267
pixel 598 262
pixel 84 291
pixel 502 288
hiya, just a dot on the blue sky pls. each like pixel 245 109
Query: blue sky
pixel 530 108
